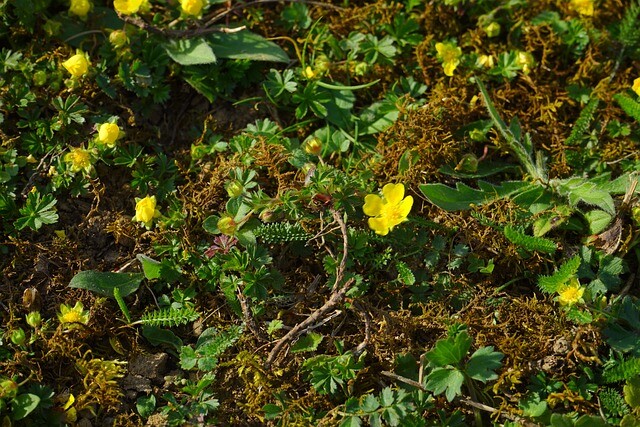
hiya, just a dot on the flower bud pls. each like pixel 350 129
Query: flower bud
pixel 118 39
pixel 361 68
pixel 8 389
pixel 312 147
pixel 468 163
pixel 39 78
pixel 34 319
pixel 235 188
pixel 227 225
pixel 635 215
pixel 477 135
pixel 492 30
pixel 18 336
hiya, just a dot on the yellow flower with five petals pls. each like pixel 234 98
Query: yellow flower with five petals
pixel 73 315
pixel 449 53
pixel 127 7
pixel 570 293
pixel 389 210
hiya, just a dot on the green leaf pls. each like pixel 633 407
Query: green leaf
pixel 529 243
pixel 463 196
pixel 24 404
pixel 579 190
pixel 188 358
pixel 483 363
pixel 550 284
pixel 246 45
pixel 103 283
pixel 146 405
pixel 309 342
pixel 271 411
pixel 150 266
pixel 484 169
pixel 532 406
pixel 448 380
pixel 450 351
pixel 190 51
pixel 632 392
pixel 158 336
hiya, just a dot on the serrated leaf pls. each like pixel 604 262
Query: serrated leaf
pixel 579 190
pixel 463 196
pixel 103 283
pixel 188 357
pixel 449 351
pixel 550 284
pixel 369 403
pixel 309 342
pixel 146 405
pixel 598 220
pixel 246 45
pixel 483 363
pixel 190 51
pixel 447 380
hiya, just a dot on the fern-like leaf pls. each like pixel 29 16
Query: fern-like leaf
pixel 551 284
pixel 281 232
pixel 169 317
pixel 623 371
pixel 529 243
pixel 631 107
pixel 628 33
pixel 613 402
pixel 581 125
pixel 213 343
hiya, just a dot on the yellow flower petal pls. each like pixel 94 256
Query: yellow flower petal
pixel 372 205
pixel 379 225
pixel 449 67
pixel 405 207
pixel 636 86
pixel 393 193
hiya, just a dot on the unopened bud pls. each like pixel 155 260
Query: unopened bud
pixel 312 146
pixel 235 188
pixel 492 30
pixel 34 319
pixel 118 38
pixel 227 225
pixel 18 336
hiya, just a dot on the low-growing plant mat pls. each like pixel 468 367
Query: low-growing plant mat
pixel 303 213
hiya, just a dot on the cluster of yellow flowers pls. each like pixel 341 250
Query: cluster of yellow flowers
pixel 389 210
pixel 81 8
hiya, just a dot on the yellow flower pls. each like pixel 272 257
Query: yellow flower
pixel 127 7
pixel 227 225
pixel 308 73
pixel 77 65
pixel 108 133
pixel 146 210
pixel 450 55
pixel 312 147
pixel 526 61
pixel 80 8
pixel 389 210
pixel 636 86
pixel 485 61
pixel 570 293
pixel 79 159
pixel 192 7
pixel 74 315
pixel 583 7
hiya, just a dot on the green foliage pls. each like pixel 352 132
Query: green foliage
pixel 169 317
pixel 390 407
pixel 581 125
pixel 551 284
pixel 621 371
pixel 449 370
pixel 329 374
pixel 623 329
pixel 626 32
pixel 211 344
pixel 628 105
pixel 37 211
pixel 613 403
pixel 530 243
pixel 281 232
pixel 463 196
pixel 103 283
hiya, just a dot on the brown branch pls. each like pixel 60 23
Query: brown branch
pixel 336 298
pixel 248 318
pixel 405 380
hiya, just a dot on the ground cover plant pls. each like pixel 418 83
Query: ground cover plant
pixel 291 213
